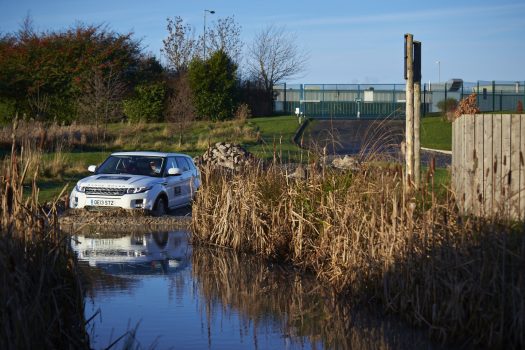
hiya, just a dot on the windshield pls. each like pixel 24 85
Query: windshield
pixel 133 165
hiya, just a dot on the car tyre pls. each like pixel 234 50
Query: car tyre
pixel 160 207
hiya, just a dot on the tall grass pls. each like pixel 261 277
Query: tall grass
pixel 461 277
pixel 46 137
pixel 40 293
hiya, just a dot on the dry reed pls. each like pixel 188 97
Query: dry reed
pixel 41 296
pixel 47 137
pixel 461 277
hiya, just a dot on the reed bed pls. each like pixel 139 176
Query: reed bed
pixel 40 295
pixel 460 277
pixel 48 136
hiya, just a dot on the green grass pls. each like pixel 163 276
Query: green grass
pixel 276 137
pixel 260 136
pixel 436 133
pixel 264 137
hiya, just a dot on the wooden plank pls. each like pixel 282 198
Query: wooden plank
pixel 497 201
pixel 468 162
pixel 459 162
pixel 515 138
pixel 487 165
pixel 454 154
pixel 522 167
pixel 478 166
pixel 505 163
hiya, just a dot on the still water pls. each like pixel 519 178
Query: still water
pixel 159 292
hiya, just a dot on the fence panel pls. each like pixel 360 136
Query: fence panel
pixel 488 171
pixel 522 170
pixel 478 166
pixel 469 147
pixel 515 139
pixel 488 182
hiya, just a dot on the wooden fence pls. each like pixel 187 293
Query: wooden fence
pixel 488 171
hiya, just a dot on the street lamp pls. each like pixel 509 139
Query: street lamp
pixel 211 12
pixel 439 71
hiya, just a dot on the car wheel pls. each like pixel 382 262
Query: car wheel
pixel 159 209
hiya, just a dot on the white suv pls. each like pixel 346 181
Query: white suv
pixel 153 181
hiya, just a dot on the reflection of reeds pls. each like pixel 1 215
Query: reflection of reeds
pixel 461 277
pixel 40 294
pixel 265 295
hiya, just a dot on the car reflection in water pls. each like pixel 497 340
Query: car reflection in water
pixel 152 253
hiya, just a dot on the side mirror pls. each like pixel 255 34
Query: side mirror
pixel 174 171
pixel 92 168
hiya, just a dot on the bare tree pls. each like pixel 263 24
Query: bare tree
pixel 224 35
pixel 180 107
pixel 101 97
pixel 273 56
pixel 180 47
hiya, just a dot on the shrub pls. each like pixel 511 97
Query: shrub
pixel 519 107
pixel 148 103
pixel 447 107
pixel 243 112
pixel 214 87
pixel 467 105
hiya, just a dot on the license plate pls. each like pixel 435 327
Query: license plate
pixel 102 202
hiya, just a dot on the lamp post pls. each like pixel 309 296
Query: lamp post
pixel 439 71
pixel 211 12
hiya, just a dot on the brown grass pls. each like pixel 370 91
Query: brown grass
pixel 461 277
pixel 46 136
pixel 40 295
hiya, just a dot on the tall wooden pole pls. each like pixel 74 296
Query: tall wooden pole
pixel 417 113
pixel 409 110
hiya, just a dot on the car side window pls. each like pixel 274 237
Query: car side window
pixel 183 164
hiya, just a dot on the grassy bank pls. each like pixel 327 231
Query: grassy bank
pixel 40 292
pixel 462 278
pixel 63 153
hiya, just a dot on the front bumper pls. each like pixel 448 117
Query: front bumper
pixel 79 200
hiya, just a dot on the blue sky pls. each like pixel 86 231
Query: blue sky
pixel 348 41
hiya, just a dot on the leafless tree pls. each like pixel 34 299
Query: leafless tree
pixel 180 47
pixel 224 35
pixel 101 97
pixel 273 56
pixel 180 107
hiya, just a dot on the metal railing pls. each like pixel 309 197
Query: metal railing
pixel 388 100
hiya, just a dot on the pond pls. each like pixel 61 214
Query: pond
pixel 156 290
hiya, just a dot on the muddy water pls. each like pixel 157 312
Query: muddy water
pixel 156 290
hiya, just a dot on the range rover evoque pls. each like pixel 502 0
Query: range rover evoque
pixel 154 181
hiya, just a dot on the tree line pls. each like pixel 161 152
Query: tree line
pixel 92 74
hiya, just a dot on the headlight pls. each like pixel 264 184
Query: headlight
pixel 80 188
pixel 133 190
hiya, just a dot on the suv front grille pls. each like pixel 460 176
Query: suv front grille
pixel 105 191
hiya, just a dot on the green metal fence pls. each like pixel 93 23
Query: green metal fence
pixel 388 100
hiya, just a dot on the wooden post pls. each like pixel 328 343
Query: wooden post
pixel 409 110
pixel 417 112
